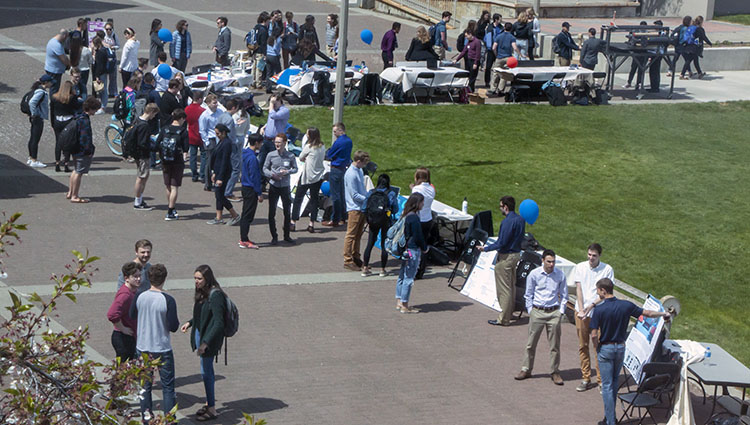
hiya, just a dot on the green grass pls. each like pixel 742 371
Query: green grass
pixel 737 19
pixel 662 187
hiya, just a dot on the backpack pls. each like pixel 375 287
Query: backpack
pixel 231 316
pixel 111 60
pixel 69 139
pixel 554 93
pixel 251 39
pixel 377 209
pixel 129 142
pixel 395 240
pixel 556 45
pixel 488 39
pixel 25 107
pixel 120 108
pixel 460 42
pixel 169 150
pixel 352 98
pixel 432 31
pixel 688 37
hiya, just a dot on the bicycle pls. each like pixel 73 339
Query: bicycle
pixel 113 135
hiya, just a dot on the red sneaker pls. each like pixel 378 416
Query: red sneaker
pixel 247 245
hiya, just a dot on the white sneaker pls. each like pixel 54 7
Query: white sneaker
pixel 29 161
pixel 37 164
pixel 99 112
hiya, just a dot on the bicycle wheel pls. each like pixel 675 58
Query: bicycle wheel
pixel 113 136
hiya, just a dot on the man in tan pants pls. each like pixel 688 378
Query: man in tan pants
pixel 508 246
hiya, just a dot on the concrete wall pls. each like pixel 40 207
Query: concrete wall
pixel 731 7
pixel 679 8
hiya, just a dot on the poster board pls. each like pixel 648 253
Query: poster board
pixel 642 339
pixel 93 27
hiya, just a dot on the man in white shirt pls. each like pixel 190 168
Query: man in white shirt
pixel 585 275
pixel 206 125
pixel 163 83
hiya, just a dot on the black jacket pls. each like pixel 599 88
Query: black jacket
pixel 565 41
pixel 419 51
pixel 221 160
pixel 142 139
pixel 168 104
pixel 100 62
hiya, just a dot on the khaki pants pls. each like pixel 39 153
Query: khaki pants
pixel 584 336
pixel 440 51
pixel 505 284
pixel 329 52
pixel 354 228
pixel 541 320
pixel 257 73
pixel 563 61
pixel 497 81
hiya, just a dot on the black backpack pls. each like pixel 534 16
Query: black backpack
pixel 129 142
pixel 169 145
pixel 556 44
pixel 120 108
pixel 554 93
pixel 25 107
pixel 377 209
pixel 69 138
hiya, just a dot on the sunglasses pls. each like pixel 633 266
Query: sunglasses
pixel 108 29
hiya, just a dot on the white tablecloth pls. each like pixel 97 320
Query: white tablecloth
pixel 299 81
pixel 407 76
pixel 220 79
pixel 544 73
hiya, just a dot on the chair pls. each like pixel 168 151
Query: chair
pixel 642 398
pixel 664 368
pixel 348 81
pixel 521 82
pixel 469 253
pixel 424 76
pixel 457 76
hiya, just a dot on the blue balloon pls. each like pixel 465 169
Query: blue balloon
pixel 326 188
pixel 165 35
pixel 529 210
pixel 164 71
pixel 366 36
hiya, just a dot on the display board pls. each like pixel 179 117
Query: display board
pixel 642 339
pixel 95 26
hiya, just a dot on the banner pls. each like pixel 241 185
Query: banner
pixel 642 339
pixel 95 26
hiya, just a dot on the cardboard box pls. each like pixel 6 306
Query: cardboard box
pixel 476 99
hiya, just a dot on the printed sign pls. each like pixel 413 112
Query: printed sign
pixel 642 340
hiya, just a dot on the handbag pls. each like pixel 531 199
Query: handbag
pixel 98 86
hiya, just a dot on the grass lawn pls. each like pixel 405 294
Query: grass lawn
pixel 737 19
pixel 659 186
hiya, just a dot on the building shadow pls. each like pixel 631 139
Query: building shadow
pixel 50 10
pixel 17 180
pixel 442 306
pixel 232 412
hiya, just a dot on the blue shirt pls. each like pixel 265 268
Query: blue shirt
pixel 546 289
pixel 275 48
pixel 510 235
pixel 440 29
pixel 340 153
pixel 611 317
pixel 277 121
pixel 504 42
pixel 251 170
pixel 52 62
pixel 354 188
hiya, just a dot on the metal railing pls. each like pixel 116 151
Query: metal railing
pixel 433 9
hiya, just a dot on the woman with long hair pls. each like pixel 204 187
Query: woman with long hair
pixel 383 204
pixel 100 74
pixel 129 58
pixel 207 332
pixel 273 56
pixel 38 112
pixel 181 46
pixel 65 104
pixel 420 48
pixel 157 45
pixel 415 246
pixel 523 31
pixel 308 31
pixel 536 28
pixel 311 179
pixel 693 50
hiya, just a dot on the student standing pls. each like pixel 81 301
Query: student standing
pixel 340 155
pixel 111 42
pixel 388 44
pixel 223 41
pixel 355 193
pixel 192 114
pixel 83 155
pixel 251 189
pixel 65 105
pixel 143 155
pixel 181 46
pixel 332 23
pixel 100 74
pixel 423 186
pixel 289 38
pixel 241 122
pixel 311 178
pixel 143 249
pixel 157 46
pixel 206 125
pixel 123 335
pixel 129 58
pixel 38 112
pixel 279 165
pixel 173 142
pixel 380 205
pixel 472 52
pixel 415 247
pixel 221 170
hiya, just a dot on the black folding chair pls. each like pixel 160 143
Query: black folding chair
pixel 664 368
pixel 642 398
pixel 348 81
pixel 470 253
pixel 457 76
pixel 520 84
pixel 423 76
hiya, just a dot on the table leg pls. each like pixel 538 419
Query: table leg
pixel 713 405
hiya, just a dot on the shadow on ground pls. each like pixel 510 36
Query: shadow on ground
pixel 232 412
pixel 50 10
pixel 17 180
pixel 442 306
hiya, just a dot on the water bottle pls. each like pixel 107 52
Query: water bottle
pixel 465 206
pixel 363 68
pixel 708 353
pixel 209 76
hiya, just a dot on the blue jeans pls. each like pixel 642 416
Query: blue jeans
pixel 406 275
pixel 166 376
pixel 236 160
pixel 194 161
pixel 207 372
pixel 611 357
pixel 336 185
pixel 104 94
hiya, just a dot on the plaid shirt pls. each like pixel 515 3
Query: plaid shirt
pixel 84 136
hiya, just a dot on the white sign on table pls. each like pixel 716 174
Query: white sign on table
pixel 642 339
pixel 545 73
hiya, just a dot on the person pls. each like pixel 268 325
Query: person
pixel 39 111
pixel 508 247
pixel 340 156
pixel 306 52
pixel 163 83
pixel 565 44
pixel 311 178
pixel 440 44
pixel 355 193
pixel 273 57
pixel 252 193
pixel 380 206
pixel 388 44
pixel 131 93
pixel 308 31
pixel 123 334
pixel 505 46
pixel 65 105
pixel 241 125
pixel 156 314
pixel 536 29
pixel 472 53
pixel 637 65
pixel 423 185
pixel 142 65
pixel 461 40
pixel 609 330
pixel 275 21
pixel 169 102
pixel 207 332
pixel 82 158
pixel 277 167
pixel 259 51
pixel 193 113
pixel 84 66
pixel 420 48
pixel 585 276
pixel 181 46
pixel 484 24
pixel 332 22
pixel 693 48
pixel 157 46
pixel 223 41
pixel 100 74
pixel 143 249
pixel 278 119
pixel 221 169
pixel 489 38
pixel 289 38
pixel 676 35
pixel 129 57
pixel 173 142
pixel 142 155
pixel 654 67
pixel 111 42
pixel 590 50
pixel 546 295
pixel 415 247
pixel 523 32
pixel 206 125
pixel 56 61
pixel 148 90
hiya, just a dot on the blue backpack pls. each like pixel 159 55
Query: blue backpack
pixel 688 37
pixel 111 60
pixel 395 241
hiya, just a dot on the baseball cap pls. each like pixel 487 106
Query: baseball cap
pixel 566 24
pixel 46 78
